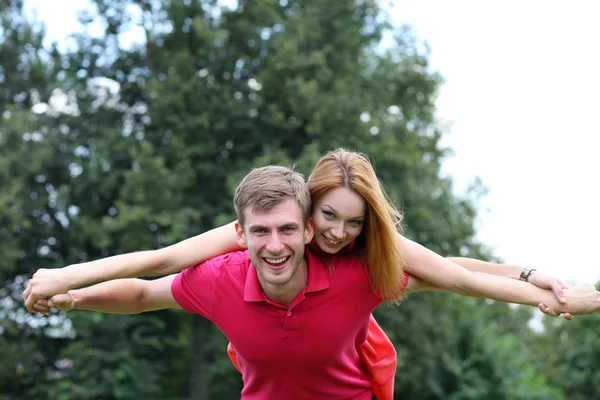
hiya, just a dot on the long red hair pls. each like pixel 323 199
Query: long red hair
pixel 378 242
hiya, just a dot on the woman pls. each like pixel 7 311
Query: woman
pixel 351 214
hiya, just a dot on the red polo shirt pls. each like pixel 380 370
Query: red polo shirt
pixel 305 351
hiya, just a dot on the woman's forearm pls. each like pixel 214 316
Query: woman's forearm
pixel 175 258
pixel 443 273
pixel 166 261
pixel 504 270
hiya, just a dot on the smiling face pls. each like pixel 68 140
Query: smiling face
pixel 275 239
pixel 338 218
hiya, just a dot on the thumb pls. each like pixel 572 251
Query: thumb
pixel 60 300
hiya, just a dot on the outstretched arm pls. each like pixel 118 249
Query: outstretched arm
pixel 537 278
pixel 434 269
pixel 120 296
pixel 169 260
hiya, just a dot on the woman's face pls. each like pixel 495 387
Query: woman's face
pixel 338 219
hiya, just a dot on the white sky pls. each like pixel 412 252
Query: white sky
pixel 522 92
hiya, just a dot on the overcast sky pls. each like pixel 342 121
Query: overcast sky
pixel 522 92
pixel 522 84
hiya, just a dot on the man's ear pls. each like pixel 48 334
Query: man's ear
pixel 241 237
pixel 309 231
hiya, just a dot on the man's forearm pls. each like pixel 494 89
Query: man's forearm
pixel 581 299
pixel 121 296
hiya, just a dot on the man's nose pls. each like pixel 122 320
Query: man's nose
pixel 275 245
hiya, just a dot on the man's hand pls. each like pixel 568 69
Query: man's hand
pixel 581 299
pixel 545 281
pixel 44 284
pixel 62 302
pixel 550 312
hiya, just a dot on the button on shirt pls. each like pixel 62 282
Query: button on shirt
pixel 304 351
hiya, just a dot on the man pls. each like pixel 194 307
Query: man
pixel 295 325
pixel 256 298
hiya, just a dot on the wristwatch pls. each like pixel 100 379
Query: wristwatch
pixel 525 273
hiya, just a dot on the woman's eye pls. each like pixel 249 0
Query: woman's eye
pixel 356 222
pixel 328 214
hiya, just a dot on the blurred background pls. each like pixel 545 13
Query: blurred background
pixel 126 125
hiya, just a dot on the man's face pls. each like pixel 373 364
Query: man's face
pixel 275 239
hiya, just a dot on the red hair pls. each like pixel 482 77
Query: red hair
pixel 378 242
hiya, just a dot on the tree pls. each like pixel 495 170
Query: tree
pixel 139 145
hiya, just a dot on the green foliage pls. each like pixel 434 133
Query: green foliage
pixel 113 147
pixel 573 364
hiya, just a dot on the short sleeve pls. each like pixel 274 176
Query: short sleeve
pixel 194 288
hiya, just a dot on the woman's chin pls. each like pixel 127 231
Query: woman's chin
pixel 325 247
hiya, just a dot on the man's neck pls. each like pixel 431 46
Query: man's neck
pixel 286 293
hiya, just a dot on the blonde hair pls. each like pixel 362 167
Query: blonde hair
pixel 378 242
pixel 264 188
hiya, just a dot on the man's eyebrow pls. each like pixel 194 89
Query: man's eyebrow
pixel 256 227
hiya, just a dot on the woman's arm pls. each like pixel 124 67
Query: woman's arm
pixel 165 261
pixel 442 273
pixel 537 278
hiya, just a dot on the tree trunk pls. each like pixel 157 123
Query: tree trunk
pixel 197 381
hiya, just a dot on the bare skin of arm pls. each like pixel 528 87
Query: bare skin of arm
pixel 537 278
pixel 442 273
pixel 169 260
pixel 175 258
pixel 119 296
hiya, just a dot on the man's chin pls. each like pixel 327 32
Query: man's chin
pixel 278 280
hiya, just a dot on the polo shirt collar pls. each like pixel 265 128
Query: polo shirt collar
pixel 318 278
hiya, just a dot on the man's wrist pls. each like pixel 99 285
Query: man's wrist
pixel 76 302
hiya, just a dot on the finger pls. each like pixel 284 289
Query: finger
pixel 564 285
pixel 568 316
pixel 42 302
pixel 558 292
pixel 40 307
pixel 27 291
pixel 29 302
pixel 546 310
pixel 59 300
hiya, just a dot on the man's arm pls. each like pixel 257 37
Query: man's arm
pixel 121 296
pixel 444 274
pixel 169 260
